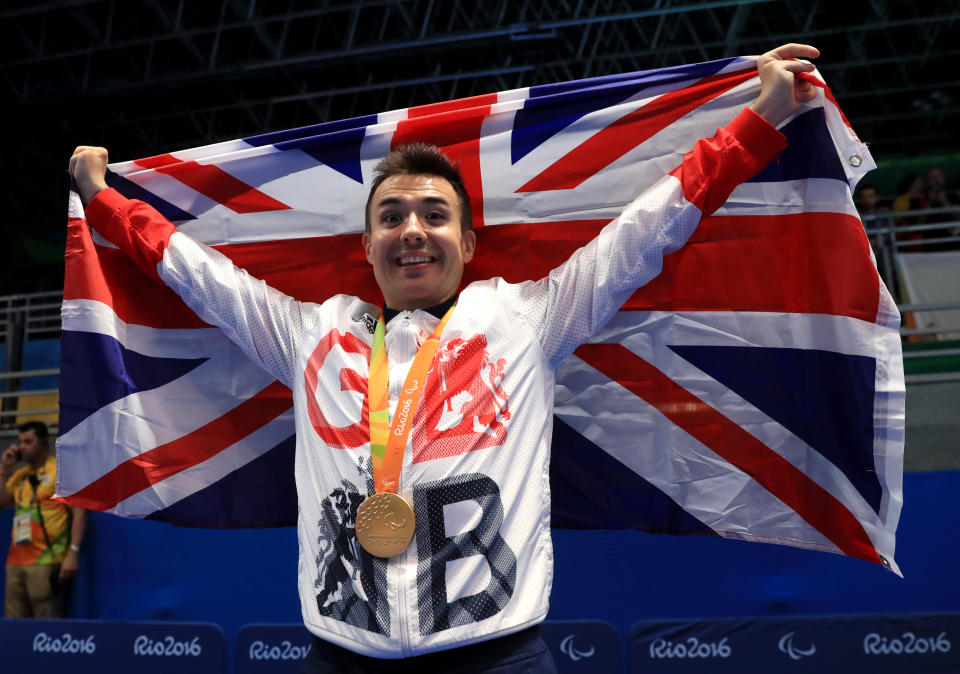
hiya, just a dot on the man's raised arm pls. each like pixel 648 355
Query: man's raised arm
pixel 577 298
pixel 262 321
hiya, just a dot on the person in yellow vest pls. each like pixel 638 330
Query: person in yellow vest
pixel 46 538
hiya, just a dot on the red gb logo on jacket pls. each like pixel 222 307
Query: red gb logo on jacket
pixel 463 407
pixel 350 380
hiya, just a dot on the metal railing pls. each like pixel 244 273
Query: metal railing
pixel 25 318
pixel 893 232
pixel 39 314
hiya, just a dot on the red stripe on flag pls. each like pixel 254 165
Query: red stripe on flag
pixel 106 275
pixel 157 161
pixel 797 263
pixel 153 466
pixel 813 503
pixel 449 106
pixel 457 131
pixel 292 266
pixel 800 263
pixel 215 183
pixel 626 133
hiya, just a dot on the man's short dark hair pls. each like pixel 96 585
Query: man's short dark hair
pixel 422 159
pixel 38 427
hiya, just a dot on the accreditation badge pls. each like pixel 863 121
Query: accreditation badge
pixel 22 529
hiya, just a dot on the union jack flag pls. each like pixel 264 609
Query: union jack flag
pixel 753 390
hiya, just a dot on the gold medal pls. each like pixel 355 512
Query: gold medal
pixel 385 524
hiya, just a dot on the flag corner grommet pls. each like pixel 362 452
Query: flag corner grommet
pixel 855 160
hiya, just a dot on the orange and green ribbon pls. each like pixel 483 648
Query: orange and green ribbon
pixel 388 441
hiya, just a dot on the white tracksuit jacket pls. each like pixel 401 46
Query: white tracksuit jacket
pixel 477 462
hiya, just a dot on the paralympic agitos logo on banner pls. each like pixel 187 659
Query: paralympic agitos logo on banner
pixel 786 645
pixel 574 653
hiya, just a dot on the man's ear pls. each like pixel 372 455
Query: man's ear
pixel 468 244
pixel 367 246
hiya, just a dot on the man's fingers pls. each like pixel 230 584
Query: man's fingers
pixel 797 66
pixel 781 85
pixel 83 152
pixel 794 50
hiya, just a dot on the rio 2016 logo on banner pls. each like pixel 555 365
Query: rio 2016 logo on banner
pixel 167 647
pixel 918 644
pixel 98 646
pixel 64 643
pixel 271 649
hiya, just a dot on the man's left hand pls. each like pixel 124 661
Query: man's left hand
pixel 68 569
pixel 781 91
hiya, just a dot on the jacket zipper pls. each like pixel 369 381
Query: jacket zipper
pixel 406 334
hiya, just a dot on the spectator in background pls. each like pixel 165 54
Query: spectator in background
pixel 878 222
pixel 46 538
pixel 937 196
pixel 912 196
pixel 876 217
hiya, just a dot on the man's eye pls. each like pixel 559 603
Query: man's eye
pixel 391 218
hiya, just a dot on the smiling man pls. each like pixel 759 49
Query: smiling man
pixel 424 426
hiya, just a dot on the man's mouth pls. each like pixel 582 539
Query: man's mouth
pixel 406 260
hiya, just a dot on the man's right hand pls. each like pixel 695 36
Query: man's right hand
pixel 11 457
pixel 88 166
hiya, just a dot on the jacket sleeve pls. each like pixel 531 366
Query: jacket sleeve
pixel 265 323
pixel 576 299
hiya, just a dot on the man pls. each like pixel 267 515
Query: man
pixel 878 223
pixel 939 197
pixel 436 408
pixel 868 204
pixel 46 535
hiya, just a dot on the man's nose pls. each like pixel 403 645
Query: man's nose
pixel 413 228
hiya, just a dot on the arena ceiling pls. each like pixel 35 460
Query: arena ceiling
pixel 149 76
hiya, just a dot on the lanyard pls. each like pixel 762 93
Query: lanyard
pixel 388 441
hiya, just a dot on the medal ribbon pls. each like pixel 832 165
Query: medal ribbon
pixel 388 441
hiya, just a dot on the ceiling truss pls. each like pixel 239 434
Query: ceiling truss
pixel 149 76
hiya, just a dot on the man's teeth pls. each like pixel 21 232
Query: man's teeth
pixel 415 260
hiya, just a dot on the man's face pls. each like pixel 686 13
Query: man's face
pixel 31 449
pixel 415 242
pixel 935 177
pixel 868 198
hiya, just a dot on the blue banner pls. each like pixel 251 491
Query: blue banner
pixel 582 646
pixel 577 647
pixel 271 649
pixel 919 644
pixel 95 646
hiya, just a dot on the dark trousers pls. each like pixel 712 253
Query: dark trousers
pixel 519 653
